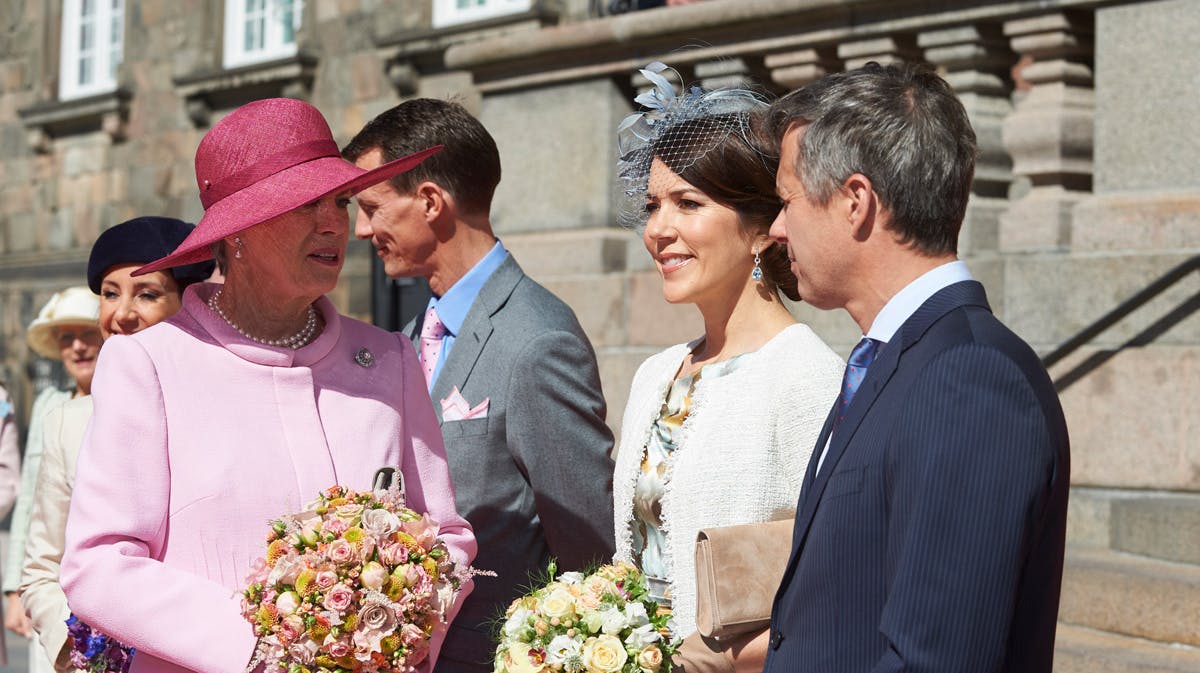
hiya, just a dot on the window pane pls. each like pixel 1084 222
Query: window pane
pixel 287 18
pixel 85 70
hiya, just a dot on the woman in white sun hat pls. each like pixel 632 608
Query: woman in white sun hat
pixel 66 329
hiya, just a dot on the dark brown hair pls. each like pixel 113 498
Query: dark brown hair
pixel 731 159
pixel 468 167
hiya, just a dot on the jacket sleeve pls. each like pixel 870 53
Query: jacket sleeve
pixel 29 471
pixel 973 464
pixel 117 531
pixel 41 594
pixel 557 436
pixel 427 481
pixel 10 455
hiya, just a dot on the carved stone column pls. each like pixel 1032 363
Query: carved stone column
pixel 793 69
pixel 975 60
pixel 1049 134
pixel 885 50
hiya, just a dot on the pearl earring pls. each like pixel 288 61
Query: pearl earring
pixel 237 241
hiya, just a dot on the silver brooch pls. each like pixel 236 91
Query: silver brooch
pixel 364 358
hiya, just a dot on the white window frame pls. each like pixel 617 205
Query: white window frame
pixel 448 13
pixel 106 51
pixel 273 45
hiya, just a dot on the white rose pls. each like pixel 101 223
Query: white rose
pixel 636 614
pixel 593 621
pixel 560 603
pixel 380 522
pixel 613 620
pixel 517 623
pixel 561 648
pixel 642 637
pixel 571 578
pixel 604 654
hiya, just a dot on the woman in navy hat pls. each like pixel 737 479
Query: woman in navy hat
pixel 128 304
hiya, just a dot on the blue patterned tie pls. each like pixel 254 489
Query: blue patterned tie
pixel 856 370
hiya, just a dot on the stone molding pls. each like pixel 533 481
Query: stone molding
pixel 107 112
pixel 203 92
pixel 731 29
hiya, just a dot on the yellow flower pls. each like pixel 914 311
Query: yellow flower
pixel 604 654
pixel 276 550
pixel 305 584
pixel 353 535
pixel 431 569
pixel 390 643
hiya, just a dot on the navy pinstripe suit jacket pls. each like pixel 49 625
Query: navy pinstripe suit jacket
pixel 932 538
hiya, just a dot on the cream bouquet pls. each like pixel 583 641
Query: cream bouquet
pixel 602 622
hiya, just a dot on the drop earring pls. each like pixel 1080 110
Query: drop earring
pixel 757 273
pixel 237 242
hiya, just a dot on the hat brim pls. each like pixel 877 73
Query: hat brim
pixel 41 339
pixel 277 194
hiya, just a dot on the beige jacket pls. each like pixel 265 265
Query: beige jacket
pixel 41 594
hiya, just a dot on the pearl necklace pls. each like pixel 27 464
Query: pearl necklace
pixel 295 341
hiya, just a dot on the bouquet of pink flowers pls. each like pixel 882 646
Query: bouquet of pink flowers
pixel 599 622
pixel 358 583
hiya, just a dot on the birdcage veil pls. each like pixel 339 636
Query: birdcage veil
pixel 677 127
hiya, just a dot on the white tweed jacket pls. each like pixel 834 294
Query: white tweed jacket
pixel 743 450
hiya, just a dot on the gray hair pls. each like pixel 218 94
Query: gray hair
pixel 904 129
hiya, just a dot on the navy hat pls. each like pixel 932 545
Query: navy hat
pixel 142 240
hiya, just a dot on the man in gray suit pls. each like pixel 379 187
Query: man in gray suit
pixel 513 377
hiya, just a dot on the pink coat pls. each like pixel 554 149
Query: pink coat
pixel 199 438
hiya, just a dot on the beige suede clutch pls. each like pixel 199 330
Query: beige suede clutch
pixel 738 570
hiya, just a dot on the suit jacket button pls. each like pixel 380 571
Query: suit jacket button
pixel 776 640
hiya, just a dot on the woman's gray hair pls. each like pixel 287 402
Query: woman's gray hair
pixel 902 127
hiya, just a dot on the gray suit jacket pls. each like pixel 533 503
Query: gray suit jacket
pixel 534 477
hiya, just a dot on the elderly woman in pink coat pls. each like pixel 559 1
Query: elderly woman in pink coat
pixel 254 397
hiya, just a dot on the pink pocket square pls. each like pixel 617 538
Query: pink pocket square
pixel 456 408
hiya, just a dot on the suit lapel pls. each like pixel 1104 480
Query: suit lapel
pixel 878 374
pixel 475 332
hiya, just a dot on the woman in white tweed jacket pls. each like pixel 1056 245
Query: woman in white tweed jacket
pixel 717 431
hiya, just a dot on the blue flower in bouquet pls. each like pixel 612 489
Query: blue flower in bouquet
pixel 96 652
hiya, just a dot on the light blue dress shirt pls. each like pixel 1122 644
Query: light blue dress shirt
pixel 904 304
pixel 452 307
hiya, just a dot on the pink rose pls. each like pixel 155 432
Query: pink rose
pixel 376 617
pixel 304 651
pixel 291 627
pixel 339 597
pixel 424 530
pixel 411 635
pixel 335 527
pixel 326 579
pixel 341 552
pixel 393 553
pixel 336 648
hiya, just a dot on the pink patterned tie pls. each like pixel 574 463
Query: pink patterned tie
pixel 432 331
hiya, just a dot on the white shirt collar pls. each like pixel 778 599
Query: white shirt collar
pixel 906 302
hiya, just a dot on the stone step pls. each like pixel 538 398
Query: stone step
pixel 1132 595
pixel 1082 650
pixel 1165 526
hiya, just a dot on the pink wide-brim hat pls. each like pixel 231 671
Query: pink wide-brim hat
pixel 263 160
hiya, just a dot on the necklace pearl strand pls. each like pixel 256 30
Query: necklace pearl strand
pixel 295 341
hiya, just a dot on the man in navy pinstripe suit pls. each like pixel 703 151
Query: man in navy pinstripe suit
pixel 929 533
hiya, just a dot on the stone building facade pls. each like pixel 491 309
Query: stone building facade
pixel 1088 189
